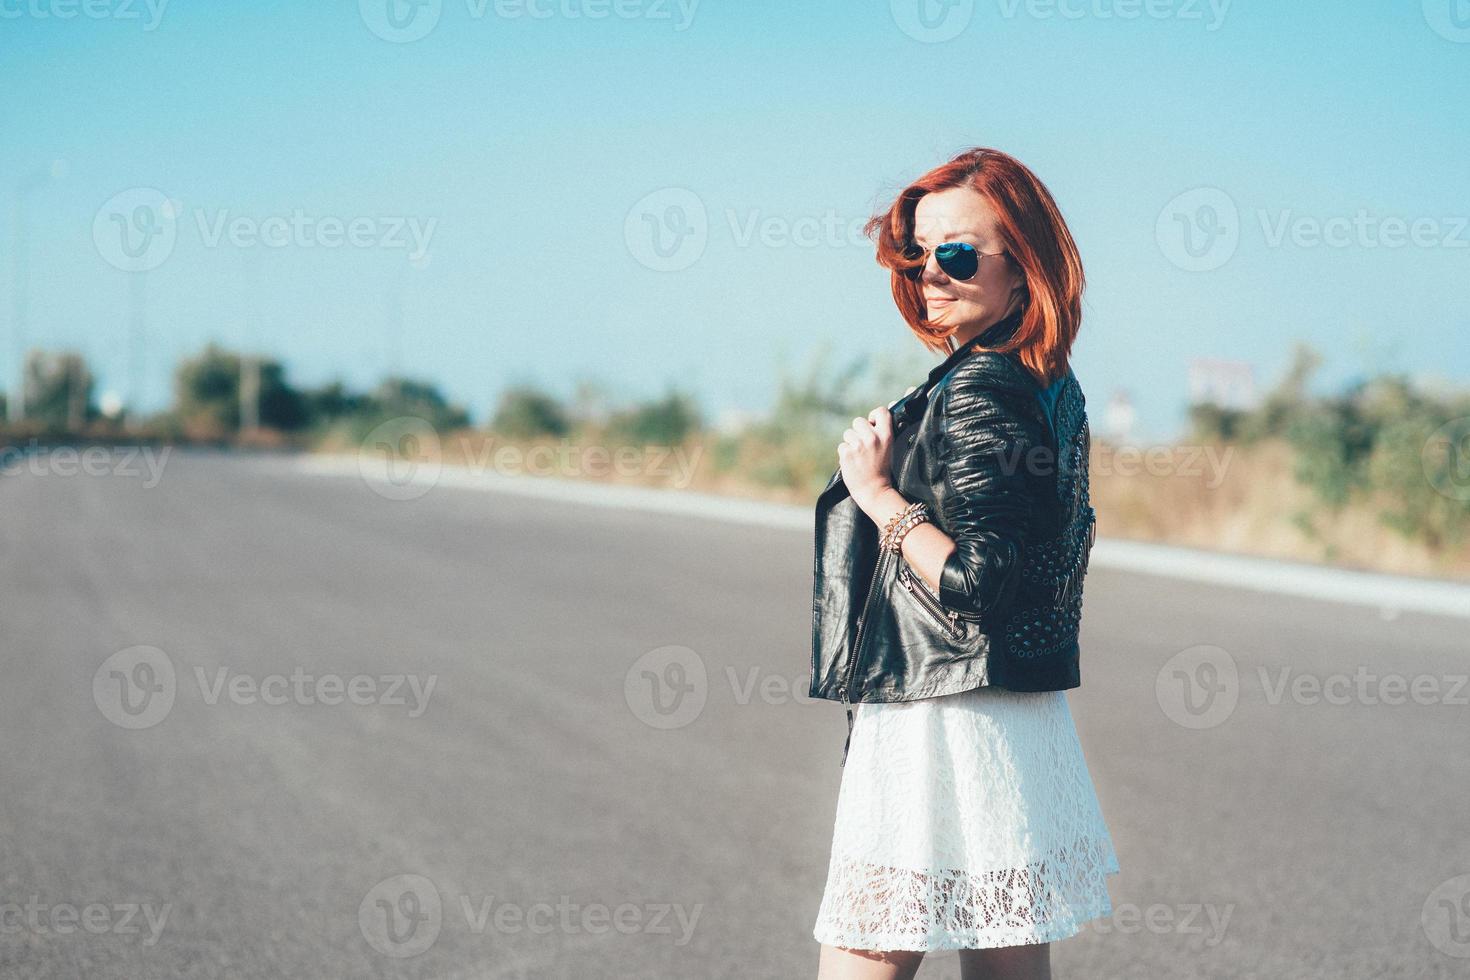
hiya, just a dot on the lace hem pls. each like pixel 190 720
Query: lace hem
pixel 868 906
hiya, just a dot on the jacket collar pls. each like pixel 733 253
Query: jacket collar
pixel 996 333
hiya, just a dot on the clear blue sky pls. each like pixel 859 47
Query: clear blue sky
pixel 528 143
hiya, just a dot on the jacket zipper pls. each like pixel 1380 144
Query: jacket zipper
pixel 857 646
pixel 948 619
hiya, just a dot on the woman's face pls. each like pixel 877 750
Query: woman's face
pixel 959 214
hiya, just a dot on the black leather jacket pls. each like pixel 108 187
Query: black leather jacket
pixel 1002 465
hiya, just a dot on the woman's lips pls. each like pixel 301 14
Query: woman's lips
pixel 940 299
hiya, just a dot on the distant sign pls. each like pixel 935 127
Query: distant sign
pixel 1119 418
pixel 1224 383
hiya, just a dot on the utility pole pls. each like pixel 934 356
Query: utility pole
pixel 21 281
pixel 76 393
pixel 249 360
pixel 249 393
pixel 137 338
pixel 393 324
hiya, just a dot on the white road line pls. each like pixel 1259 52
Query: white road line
pixel 1389 593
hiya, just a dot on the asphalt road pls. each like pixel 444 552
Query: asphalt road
pixel 257 723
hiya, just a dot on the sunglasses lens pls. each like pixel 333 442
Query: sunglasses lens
pixel 959 260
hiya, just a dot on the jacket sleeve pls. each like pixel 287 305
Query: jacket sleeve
pixel 985 443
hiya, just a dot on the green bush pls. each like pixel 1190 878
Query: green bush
pixel 525 412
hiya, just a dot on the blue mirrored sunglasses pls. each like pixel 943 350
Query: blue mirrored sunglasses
pixel 958 260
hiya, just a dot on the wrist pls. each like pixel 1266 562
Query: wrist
pixel 882 505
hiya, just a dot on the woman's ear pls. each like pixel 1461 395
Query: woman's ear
pixel 1018 280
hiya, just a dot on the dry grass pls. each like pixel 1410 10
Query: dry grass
pixel 1250 505
pixel 1240 500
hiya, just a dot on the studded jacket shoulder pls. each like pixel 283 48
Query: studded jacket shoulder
pixel 1003 467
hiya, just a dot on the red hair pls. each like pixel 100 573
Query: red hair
pixel 1036 240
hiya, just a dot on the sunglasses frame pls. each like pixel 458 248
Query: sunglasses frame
pixel 916 271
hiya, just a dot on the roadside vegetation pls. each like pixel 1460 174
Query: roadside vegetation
pixel 1375 476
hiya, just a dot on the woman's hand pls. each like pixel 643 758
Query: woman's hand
pixel 864 454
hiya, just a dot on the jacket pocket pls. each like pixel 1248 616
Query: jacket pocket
pixel 946 619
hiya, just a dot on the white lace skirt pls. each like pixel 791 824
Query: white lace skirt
pixel 965 821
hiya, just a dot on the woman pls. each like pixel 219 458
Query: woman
pixel 951 547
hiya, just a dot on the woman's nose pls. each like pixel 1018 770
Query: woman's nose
pixel 932 272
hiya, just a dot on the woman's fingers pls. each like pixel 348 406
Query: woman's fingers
pixel 882 420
